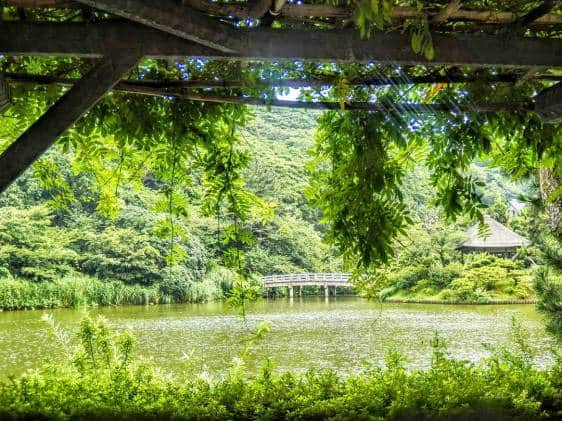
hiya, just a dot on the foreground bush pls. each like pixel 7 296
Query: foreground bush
pixel 104 381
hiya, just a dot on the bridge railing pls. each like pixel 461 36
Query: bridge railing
pixel 331 278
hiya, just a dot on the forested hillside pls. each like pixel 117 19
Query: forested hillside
pixel 62 243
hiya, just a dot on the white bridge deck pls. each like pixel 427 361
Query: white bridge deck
pixel 304 279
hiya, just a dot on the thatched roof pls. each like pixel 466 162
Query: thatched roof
pixel 498 238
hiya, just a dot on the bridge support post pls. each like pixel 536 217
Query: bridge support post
pixel 291 292
pixel 326 291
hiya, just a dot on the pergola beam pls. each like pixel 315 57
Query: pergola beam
pixel 447 78
pixel 549 104
pixel 82 40
pixel 397 108
pixel 94 40
pixel 292 10
pixel 177 89
pixel 60 116
pixel 166 16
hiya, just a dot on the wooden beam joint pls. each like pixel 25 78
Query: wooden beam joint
pixel 168 16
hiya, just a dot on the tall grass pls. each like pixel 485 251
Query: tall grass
pixel 75 291
pixel 81 290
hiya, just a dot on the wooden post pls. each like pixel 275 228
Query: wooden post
pixel 327 291
pixel 291 292
pixel 41 135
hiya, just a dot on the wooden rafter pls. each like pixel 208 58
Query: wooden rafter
pixel 68 109
pixel 447 78
pixel 267 44
pixel 177 89
pixel 398 108
pixel 40 3
pixel 293 10
pixel 541 10
pixel 94 40
pixel 165 15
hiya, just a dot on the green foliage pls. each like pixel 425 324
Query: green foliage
pixel 30 247
pixel 50 238
pixel 356 183
pixel 122 254
pixel 104 379
pixel 483 278
pixel 178 284
pixel 549 290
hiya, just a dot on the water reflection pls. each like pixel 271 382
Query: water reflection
pixel 339 333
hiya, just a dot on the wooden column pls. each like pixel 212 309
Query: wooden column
pixel 41 135
pixel 291 292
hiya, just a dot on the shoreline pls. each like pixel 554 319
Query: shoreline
pixel 432 301
pixel 387 300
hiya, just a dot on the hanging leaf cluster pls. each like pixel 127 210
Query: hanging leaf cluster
pixel 356 183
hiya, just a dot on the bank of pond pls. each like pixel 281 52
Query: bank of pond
pixel 483 279
pixel 345 358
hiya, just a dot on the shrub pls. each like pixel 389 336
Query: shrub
pixel 180 287
pixel 486 277
pixel 441 277
pixel 407 277
pixel 481 259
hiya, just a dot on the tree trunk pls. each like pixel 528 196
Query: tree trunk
pixel 549 183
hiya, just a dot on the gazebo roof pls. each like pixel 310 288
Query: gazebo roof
pixel 499 237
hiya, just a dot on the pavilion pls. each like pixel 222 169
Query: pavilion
pixel 499 240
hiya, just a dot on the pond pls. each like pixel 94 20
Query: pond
pixel 341 334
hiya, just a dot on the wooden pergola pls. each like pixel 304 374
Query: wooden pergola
pixel 516 45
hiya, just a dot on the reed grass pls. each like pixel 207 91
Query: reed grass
pixel 16 294
pixel 80 290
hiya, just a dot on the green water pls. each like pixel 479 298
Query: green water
pixel 339 334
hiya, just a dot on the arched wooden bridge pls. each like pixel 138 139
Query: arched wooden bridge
pixel 290 281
